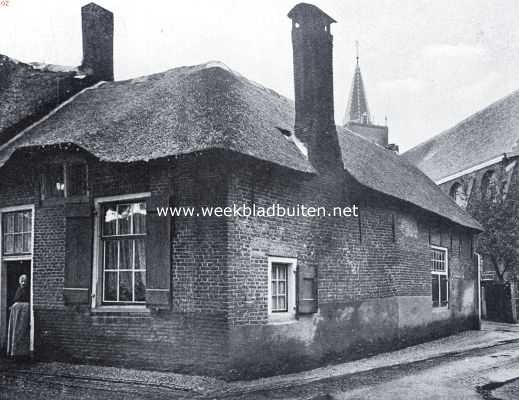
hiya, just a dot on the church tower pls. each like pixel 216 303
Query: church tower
pixel 357 117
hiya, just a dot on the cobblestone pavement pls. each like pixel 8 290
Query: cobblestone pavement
pixel 472 365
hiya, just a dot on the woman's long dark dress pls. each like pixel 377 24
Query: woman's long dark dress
pixel 18 337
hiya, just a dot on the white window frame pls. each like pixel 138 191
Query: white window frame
pixel 445 273
pixel 290 314
pixel 97 276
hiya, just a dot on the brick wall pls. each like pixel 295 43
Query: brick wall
pixel 191 337
pixel 367 268
pixel 371 271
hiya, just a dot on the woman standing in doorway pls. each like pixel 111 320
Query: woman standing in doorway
pixel 19 322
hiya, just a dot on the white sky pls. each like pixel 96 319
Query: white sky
pixel 427 64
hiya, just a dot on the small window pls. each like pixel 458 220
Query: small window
pixel 64 180
pixel 439 276
pixel 17 233
pixel 458 195
pixel 123 246
pixel 282 296
pixel 53 181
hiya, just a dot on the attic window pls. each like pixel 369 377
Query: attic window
pixel 285 132
pixel 60 180
pixel 294 139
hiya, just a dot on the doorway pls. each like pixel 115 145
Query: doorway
pixel 12 272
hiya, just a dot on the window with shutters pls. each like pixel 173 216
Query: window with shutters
pixel 282 288
pixel 440 277
pixel 66 179
pixel 123 252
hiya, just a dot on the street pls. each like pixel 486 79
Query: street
pixel 471 365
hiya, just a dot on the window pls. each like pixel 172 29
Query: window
pixel 458 194
pixel 439 275
pixel 60 180
pixel 489 185
pixel 281 288
pixel 16 232
pixel 123 252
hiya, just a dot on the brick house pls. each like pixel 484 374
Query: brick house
pixel 113 282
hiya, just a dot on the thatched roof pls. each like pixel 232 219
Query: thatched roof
pixel 386 172
pixel 481 137
pixel 208 106
pixel 29 91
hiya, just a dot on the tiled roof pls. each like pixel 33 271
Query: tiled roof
pixel 208 106
pixel 481 137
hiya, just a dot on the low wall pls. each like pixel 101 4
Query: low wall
pixel 180 342
pixel 340 332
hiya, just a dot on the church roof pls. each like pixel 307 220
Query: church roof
pixel 29 91
pixel 483 136
pixel 209 106
pixel 357 102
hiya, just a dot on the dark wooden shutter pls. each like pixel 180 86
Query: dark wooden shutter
pixel 158 254
pixel 307 289
pixel 79 231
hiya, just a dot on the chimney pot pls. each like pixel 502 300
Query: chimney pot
pixel 312 44
pixel 98 42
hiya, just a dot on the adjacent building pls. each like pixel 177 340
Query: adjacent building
pixel 476 159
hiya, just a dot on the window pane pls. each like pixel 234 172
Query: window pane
pixel 8 244
pixel 435 291
pixel 140 286
pixel 282 288
pixel 110 286
pixel 18 244
pixel 26 246
pixel 76 179
pixel 110 254
pixel 139 218
pixel 124 219
pixel 27 222
pixel 125 286
pixel 126 254
pixel 9 223
pixel 110 221
pixel 140 254
pixel 282 305
pixel 18 222
pixel 443 290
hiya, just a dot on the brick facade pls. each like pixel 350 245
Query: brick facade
pixel 372 272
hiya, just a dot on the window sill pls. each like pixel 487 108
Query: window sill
pixel 440 309
pixel 281 319
pixel 121 310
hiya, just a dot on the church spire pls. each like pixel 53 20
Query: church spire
pixel 357 109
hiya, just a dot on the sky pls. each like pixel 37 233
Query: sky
pixel 426 64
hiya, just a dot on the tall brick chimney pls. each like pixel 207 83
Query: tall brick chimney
pixel 98 42
pixel 312 43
